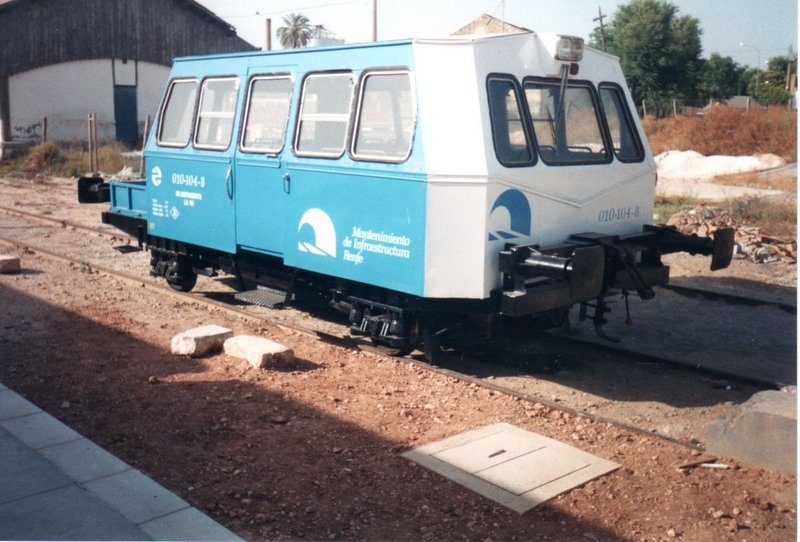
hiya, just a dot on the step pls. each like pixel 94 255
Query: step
pixel 264 296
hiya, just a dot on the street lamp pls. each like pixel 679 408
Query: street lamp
pixel 758 66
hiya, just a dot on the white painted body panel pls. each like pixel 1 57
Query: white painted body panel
pixel 465 178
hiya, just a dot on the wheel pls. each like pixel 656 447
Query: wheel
pixel 180 275
pixel 182 282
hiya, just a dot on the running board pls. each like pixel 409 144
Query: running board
pixel 263 296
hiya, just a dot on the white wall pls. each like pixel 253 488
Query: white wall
pixel 66 93
pixel 152 81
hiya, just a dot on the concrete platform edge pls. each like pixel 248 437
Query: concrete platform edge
pixel 107 482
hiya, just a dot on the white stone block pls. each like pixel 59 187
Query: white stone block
pixel 200 341
pixel 259 352
pixel 9 264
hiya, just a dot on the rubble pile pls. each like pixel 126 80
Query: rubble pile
pixel 751 242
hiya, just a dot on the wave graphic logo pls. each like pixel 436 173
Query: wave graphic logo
pixel 317 234
pixel 510 217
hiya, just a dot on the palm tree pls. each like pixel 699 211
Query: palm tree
pixel 296 32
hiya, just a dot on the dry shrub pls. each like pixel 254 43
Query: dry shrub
pixel 775 218
pixel 42 159
pixel 727 131
pixel 70 160
pixel 784 183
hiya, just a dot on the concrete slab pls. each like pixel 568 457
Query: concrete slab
pixel 9 264
pixel 259 352
pixel 14 406
pixel 136 496
pixel 511 466
pixel 762 432
pixel 22 473
pixel 69 513
pixel 40 430
pixel 483 453
pixel 83 460
pixel 200 341
pixel 534 470
pixel 79 491
pixel 189 524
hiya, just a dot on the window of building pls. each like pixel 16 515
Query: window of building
pixel 624 138
pixel 511 142
pixel 175 121
pixel 217 110
pixel 324 116
pixel 570 134
pixel 268 102
pixel 386 116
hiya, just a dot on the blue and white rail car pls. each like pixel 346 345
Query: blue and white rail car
pixel 416 184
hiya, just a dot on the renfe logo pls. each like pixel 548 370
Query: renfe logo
pixel 317 234
pixel 510 217
pixel 155 176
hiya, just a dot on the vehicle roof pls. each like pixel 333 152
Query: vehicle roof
pixel 475 39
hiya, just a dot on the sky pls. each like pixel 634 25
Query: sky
pixel 749 31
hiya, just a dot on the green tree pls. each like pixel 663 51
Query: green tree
pixel 772 82
pixel 720 78
pixel 296 31
pixel 659 51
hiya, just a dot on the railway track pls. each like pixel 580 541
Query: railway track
pixel 516 366
pixel 678 286
pixel 342 340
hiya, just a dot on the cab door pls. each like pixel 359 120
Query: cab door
pixel 263 185
pixel 191 170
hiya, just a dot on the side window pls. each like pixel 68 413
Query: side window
pixel 175 121
pixel 386 116
pixel 624 138
pixel 511 142
pixel 570 134
pixel 268 102
pixel 324 115
pixel 215 117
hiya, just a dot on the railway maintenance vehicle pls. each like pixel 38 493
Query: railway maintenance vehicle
pixel 429 189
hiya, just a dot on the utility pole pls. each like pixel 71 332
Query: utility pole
pixel 791 57
pixel 374 20
pixel 600 18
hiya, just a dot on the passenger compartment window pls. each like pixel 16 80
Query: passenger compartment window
pixel 511 142
pixel 217 109
pixel 624 138
pixel 386 116
pixel 175 121
pixel 267 113
pixel 568 135
pixel 324 115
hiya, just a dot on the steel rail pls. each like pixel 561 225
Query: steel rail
pixel 346 342
pixel 353 342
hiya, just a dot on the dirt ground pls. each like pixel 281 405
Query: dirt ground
pixel 312 450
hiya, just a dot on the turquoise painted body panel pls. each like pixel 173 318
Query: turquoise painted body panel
pixel 361 220
pixel 129 198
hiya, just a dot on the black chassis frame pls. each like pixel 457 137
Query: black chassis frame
pixel 586 267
